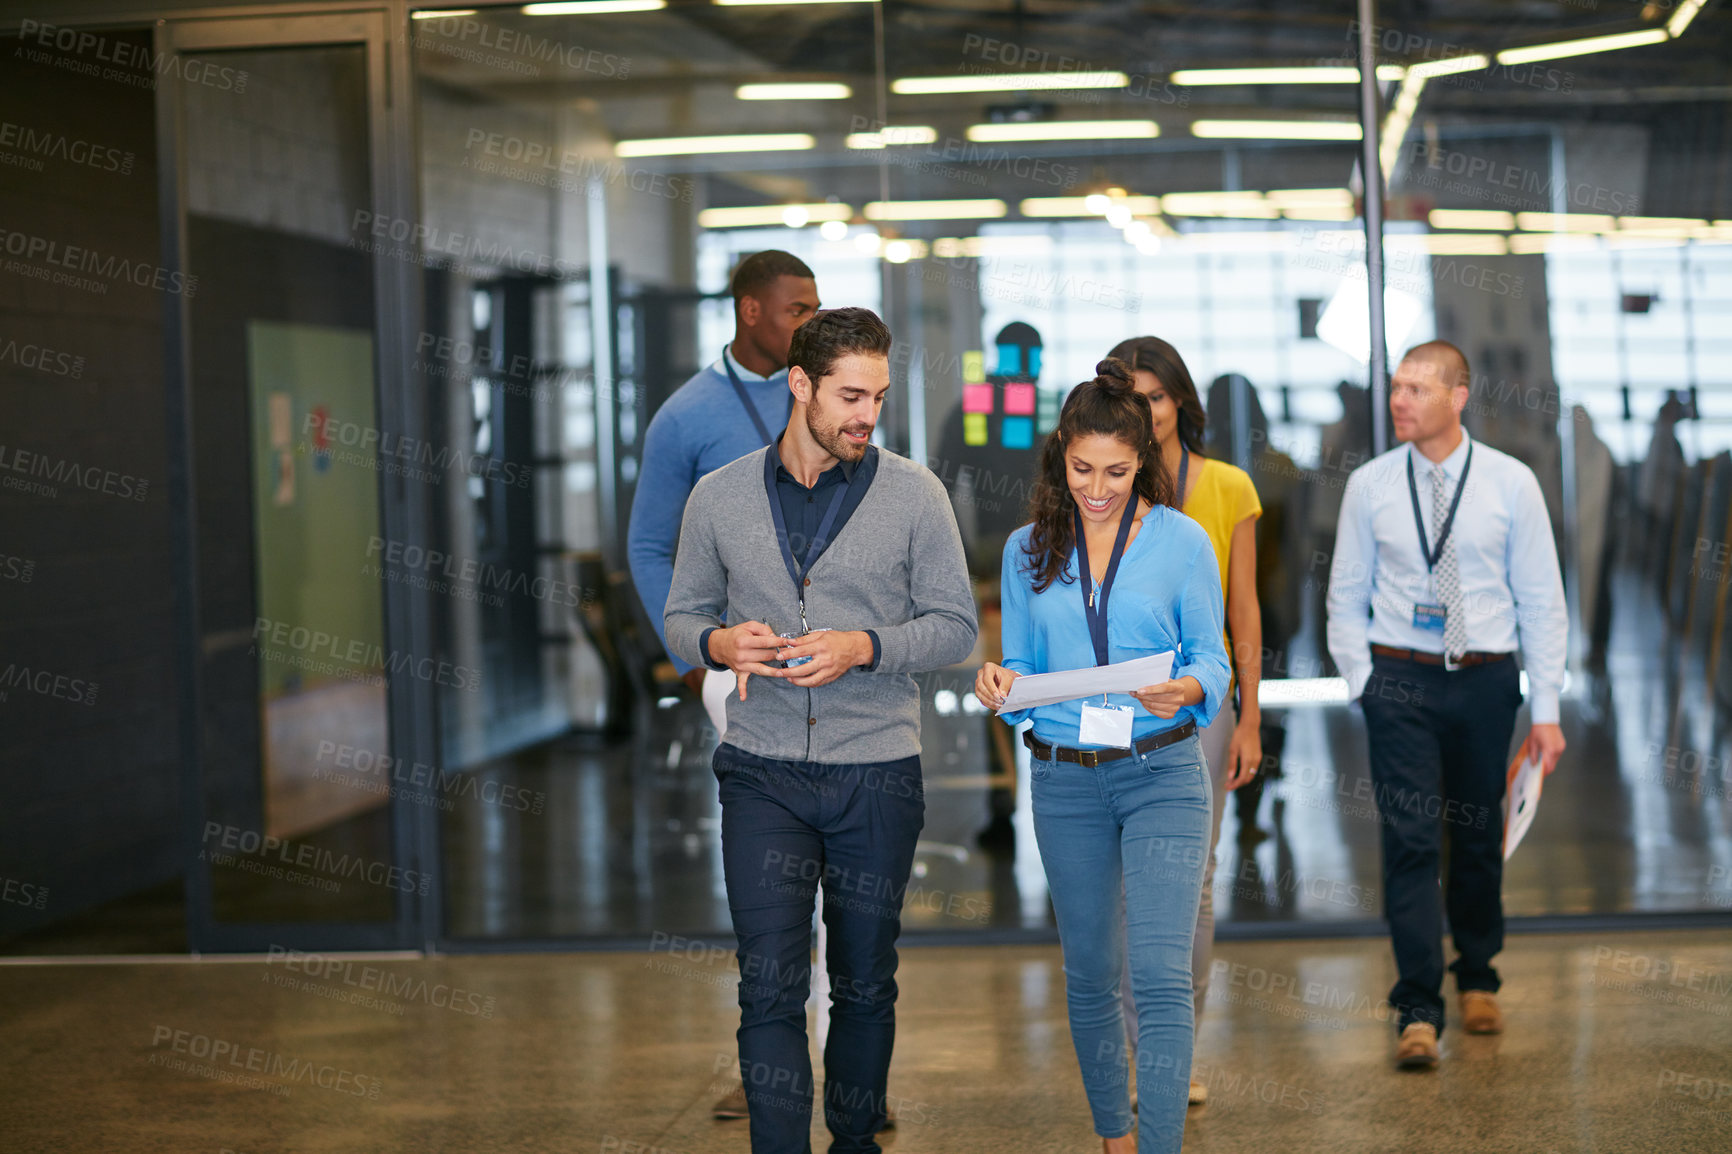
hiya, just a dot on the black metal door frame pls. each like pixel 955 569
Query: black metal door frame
pixel 405 510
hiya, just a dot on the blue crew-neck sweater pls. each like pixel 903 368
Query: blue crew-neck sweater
pixel 702 427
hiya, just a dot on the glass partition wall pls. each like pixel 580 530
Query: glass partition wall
pixel 1015 191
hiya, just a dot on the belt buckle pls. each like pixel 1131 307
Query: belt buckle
pixel 1450 665
pixel 1088 758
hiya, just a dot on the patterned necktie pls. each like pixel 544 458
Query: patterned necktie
pixel 1446 575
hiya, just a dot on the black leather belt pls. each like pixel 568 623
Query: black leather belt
pixel 1094 757
pixel 1424 658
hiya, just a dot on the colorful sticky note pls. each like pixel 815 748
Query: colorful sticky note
pixel 1019 399
pixel 974 428
pixel 1009 360
pixel 974 366
pixel 1017 433
pixel 977 398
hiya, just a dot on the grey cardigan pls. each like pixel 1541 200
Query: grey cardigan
pixel 896 567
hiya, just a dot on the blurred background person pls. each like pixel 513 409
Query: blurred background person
pixel 1220 498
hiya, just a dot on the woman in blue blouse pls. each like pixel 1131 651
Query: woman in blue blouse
pixel 1109 570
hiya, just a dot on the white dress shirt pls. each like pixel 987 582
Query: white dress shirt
pixel 1512 592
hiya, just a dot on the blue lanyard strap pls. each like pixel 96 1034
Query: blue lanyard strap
pixel 746 398
pixel 1095 608
pixel 815 548
pixel 1431 555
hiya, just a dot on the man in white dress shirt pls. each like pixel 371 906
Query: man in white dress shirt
pixel 1444 567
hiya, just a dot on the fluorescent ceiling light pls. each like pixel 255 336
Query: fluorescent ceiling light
pixel 1431 69
pixel 759 215
pixel 588 7
pixel 1240 204
pixel 909 134
pixel 743 3
pixel 1329 212
pixel 1066 130
pixel 691 145
pixel 1548 242
pixel 1276 129
pixel 1582 47
pixel 1472 218
pixel 1681 18
pixel 1037 244
pixel 1049 206
pixel 793 92
pixel 934 209
pixel 1293 197
pixel 1463 244
pixel 440 13
pixel 1564 222
pixel 1639 223
pixel 1322 74
pixel 1278 240
pixel 1008 82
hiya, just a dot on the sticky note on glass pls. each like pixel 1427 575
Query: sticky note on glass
pixel 1009 360
pixel 1017 433
pixel 1019 399
pixel 977 398
pixel 974 366
pixel 974 428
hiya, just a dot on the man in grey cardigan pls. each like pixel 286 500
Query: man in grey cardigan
pixel 823 573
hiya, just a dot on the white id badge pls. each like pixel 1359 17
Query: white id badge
pixel 1109 726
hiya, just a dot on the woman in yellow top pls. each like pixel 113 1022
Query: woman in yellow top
pixel 1222 499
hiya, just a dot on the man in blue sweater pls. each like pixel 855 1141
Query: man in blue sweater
pixel 736 405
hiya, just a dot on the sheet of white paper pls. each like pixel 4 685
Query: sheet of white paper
pixel 1110 727
pixel 1524 802
pixel 1036 689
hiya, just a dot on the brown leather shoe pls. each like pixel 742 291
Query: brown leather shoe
pixel 1479 1012
pixel 731 1105
pixel 1418 1046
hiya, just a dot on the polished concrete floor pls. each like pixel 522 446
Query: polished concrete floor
pixel 1616 1042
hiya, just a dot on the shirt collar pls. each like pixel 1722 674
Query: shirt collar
pixel 848 468
pixel 746 375
pixel 1451 465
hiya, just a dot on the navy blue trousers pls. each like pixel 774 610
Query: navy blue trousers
pixel 789 827
pixel 1440 747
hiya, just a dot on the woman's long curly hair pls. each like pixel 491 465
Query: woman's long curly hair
pixel 1162 359
pixel 1109 405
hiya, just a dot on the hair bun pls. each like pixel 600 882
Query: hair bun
pixel 1115 370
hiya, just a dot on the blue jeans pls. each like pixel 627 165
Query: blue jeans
pixel 1124 845
pixel 788 826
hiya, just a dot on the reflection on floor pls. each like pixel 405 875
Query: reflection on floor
pixel 1615 1043
pixel 626 842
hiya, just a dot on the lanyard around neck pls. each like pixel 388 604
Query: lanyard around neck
pixel 1184 468
pixel 1095 608
pixel 1433 555
pixel 798 568
pixel 746 398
